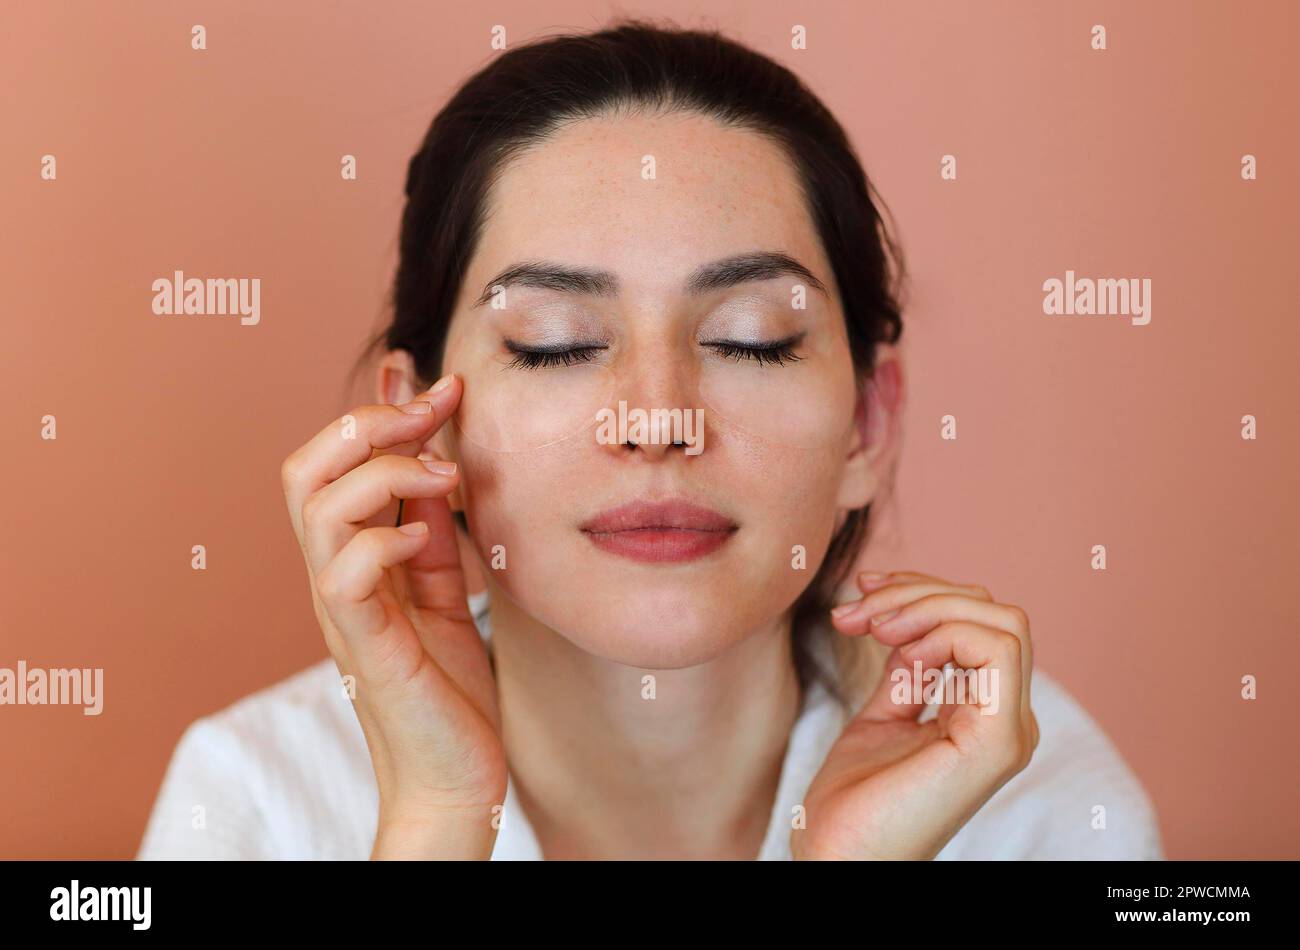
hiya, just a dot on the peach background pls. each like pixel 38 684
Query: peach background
pixel 1073 431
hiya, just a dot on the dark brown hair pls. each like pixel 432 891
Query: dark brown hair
pixel 526 93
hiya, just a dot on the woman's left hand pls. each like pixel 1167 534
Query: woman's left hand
pixel 895 788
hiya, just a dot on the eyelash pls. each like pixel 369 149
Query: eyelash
pixel 526 358
pixel 777 353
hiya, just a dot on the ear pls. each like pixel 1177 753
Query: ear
pixel 877 425
pixel 397 382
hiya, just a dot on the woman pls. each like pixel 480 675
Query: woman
pixel 579 589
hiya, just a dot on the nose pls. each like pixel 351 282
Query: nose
pixel 657 408
pixel 661 439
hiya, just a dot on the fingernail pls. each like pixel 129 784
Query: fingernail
pixel 414 527
pixel 882 619
pixel 440 467
pixel 442 384
pixel 416 408
pixel 871 576
pixel 845 609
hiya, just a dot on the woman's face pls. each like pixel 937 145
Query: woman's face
pixel 638 550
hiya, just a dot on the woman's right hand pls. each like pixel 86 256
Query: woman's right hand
pixel 392 604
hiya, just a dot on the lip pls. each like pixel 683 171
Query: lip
pixel 659 532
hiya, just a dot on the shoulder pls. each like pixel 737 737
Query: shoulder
pixel 1077 798
pixel 282 772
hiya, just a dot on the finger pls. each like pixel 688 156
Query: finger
pixel 331 453
pixel 853 618
pixel 895 697
pixel 435 578
pixel 913 620
pixel 918 616
pixel 334 515
pixel 993 723
pixel 873 580
pixel 902 690
pixel 347 586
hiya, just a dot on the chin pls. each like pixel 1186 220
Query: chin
pixel 651 616
pixel 653 632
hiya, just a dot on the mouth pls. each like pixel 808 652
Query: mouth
pixel 660 532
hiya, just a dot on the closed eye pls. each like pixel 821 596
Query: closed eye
pixel 762 351
pixel 775 352
pixel 561 354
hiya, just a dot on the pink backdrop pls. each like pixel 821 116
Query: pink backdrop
pixel 1072 431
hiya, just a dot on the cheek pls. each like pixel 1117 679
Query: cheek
pixel 518 506
pixel 523 511
pixel 789 502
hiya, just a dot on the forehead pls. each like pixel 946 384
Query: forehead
pixel 647 197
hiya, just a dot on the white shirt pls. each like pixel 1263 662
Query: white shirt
pixel 284 773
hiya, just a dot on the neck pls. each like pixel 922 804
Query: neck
pixel 602 772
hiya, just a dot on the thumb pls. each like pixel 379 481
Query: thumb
pixel 435 580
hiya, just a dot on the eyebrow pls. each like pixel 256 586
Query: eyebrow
pixel 718 275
